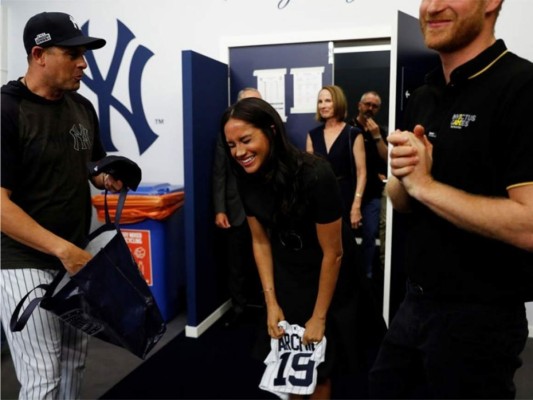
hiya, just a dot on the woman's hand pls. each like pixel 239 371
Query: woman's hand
pixel 356 218
pixel 314 330
pixel 274 316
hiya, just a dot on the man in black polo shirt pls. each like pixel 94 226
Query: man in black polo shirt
pixel 464 171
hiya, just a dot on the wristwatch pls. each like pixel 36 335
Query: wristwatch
pixel 376 138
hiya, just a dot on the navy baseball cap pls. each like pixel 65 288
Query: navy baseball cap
pixel 57 29
pixel 120 168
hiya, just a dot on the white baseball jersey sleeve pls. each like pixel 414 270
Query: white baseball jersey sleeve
pixel 291 365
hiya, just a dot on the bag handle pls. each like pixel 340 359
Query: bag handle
pixel 120 206
pixel 18 323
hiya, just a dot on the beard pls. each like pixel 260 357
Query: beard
pixel 369 114
pixel 459 35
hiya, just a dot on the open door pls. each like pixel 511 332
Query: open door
pixel 411 60
pixel 205 97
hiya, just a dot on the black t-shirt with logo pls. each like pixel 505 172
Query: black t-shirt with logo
pixel 45 149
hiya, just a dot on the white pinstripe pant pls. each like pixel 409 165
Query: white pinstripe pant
pixel 48 355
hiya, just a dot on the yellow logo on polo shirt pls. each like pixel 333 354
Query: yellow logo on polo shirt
pixel 460 121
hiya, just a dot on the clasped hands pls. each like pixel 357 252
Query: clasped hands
pixel 411 159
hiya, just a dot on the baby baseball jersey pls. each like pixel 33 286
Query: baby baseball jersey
pixel 291 365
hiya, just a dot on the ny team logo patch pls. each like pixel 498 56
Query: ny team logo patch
pixel 80 134
pixel 103 88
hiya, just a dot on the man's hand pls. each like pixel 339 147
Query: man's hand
pixel 73 258
pixel 411 158
pixel 222 221
pixel 111 184
pixel 373 128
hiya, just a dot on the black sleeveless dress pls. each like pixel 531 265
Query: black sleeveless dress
pixel 340 157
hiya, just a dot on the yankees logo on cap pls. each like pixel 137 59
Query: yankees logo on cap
pixel 57 29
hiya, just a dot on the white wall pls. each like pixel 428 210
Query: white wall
pixel 167 27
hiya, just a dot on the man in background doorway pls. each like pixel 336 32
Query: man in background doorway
pixel 230 217
pixel 376 171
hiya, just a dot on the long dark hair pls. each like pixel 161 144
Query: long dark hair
pixel 284 163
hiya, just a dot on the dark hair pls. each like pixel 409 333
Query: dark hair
pixel 282 167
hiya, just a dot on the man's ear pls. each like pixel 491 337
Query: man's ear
pixel 492 5
pixel 37 54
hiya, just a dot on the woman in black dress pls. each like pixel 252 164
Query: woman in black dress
pixel 343 146
pixel 304 253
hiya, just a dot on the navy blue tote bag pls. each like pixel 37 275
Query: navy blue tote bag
pixel 108 298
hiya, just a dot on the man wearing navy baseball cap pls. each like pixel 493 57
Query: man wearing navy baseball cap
pixel 57 29
pixel 49 135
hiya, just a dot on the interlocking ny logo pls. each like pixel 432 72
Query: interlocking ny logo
pixel 81 137
pixel 103 88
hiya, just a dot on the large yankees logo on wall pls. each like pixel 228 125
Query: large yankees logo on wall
pixel 103 88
